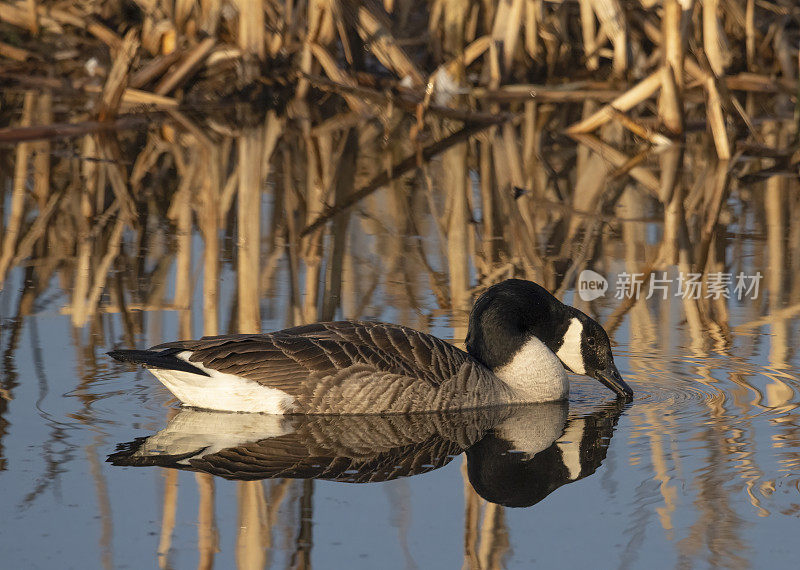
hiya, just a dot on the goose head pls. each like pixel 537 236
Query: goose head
pixel 508 315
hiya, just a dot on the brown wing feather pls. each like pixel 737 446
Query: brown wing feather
pixel 324 363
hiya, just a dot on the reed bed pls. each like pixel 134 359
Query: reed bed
pixel 322 151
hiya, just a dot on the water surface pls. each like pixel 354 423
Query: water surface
pixel 205 235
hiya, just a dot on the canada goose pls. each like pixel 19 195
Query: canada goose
pixel 520 340
pixel 516 455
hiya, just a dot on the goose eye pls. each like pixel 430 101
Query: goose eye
pixel 590 341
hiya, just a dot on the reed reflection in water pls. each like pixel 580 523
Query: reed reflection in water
pixel 713 390
pixel 343 205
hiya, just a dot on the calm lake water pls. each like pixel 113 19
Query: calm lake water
pixel 188 228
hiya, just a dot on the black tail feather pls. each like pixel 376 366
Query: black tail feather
pixel 162 359
pixel 127 455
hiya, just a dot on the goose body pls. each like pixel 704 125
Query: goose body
pixel 520 340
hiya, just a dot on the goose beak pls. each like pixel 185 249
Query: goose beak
pixel 611 377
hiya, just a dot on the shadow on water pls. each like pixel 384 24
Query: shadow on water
pixel 516 456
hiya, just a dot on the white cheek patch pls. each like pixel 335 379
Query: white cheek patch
pixel 570 351
pixel 570 446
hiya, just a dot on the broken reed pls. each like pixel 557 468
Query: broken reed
pixel 512 50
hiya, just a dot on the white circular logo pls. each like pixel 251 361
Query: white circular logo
pixel 591 285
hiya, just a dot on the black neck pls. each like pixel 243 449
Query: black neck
pixel 506 316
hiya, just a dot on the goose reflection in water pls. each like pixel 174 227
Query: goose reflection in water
pixel 516 455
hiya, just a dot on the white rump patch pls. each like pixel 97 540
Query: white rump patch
pixel 221 391
pixel 206 432
pixel 535 373
pixel 570 351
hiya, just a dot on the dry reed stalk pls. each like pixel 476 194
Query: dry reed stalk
pixel 14 224
pixel 654 138
pixel 532 27
pixel 672 194
pixel 108 149
pixel 181 212
pixel 571 93
pixel 510 149
pixel 618 159
pixel 193 60
pixel 65 130
pixel 588 32
pixel 494 537
pixel 18 16
pixel 531 147
pixel 336 74
pixel 154 69
pixel 316 11
pixel 750 35
pixel 251 28
pixel 118 77
pixel 593 171
pixel 342 121
pixel 80 286
pixel 635 95
pixel 670 161
pixel 454 16
pixel 716 120
pixel 377 35
pixel 13 52
pixel 670 108
pixel 101 272
pixel 208 221
pixel 168 517
pixel 457 185
pixel 487 200
pixel 406 100
pixel 301 557
pixel 41 159
pixel 505 36
pixel 318 156
pixel 713 207
pixel 249 237
pixel 181 12
pixel 228 193
pixel 54 18
pixel 207 535
pixel 210 11
pixel 250 551
pixel 291 204
pixel 775 209
pixel 471 52
pixel 136 97
pixel 472 511
pixel 37 229
pixel 673 42
pixel 714 43
pixel 613 21
pixel 397 170
pixel 344 181
pixel 33 25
